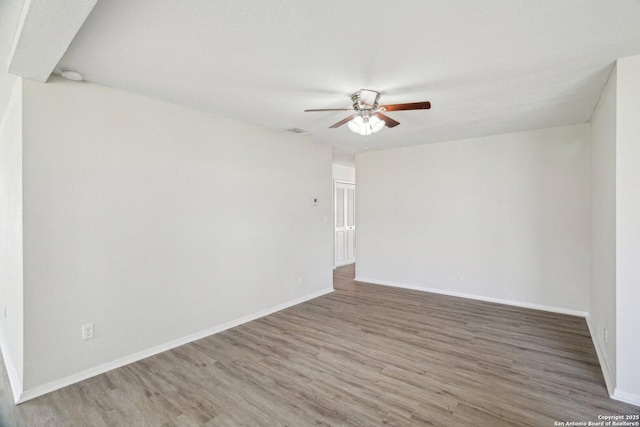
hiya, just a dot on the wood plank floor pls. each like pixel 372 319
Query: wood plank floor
pixel 364 355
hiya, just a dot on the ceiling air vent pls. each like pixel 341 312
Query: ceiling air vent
pixel 298 131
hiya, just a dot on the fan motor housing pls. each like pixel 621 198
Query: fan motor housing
pixel 367 102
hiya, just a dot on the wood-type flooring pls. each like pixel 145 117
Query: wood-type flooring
pixel 364 355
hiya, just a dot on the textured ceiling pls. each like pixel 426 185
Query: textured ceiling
pixel 487 67
pixel 9 19
pixel 46 29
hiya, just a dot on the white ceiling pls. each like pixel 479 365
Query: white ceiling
pixel 487 67
pixel 9 19
pixel 45 31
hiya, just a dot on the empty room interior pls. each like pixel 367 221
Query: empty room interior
pixel 271 213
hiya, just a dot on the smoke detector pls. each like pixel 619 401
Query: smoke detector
pixel 72 75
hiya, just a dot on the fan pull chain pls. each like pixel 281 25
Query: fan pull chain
pixel 366 147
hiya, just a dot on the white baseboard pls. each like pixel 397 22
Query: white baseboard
pixel 609 379
pixel 92 372
pixel 602 358
pixel 12 372
pixel 550 308
pixel 626 397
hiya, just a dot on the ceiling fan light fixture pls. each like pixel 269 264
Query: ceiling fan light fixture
pixel 365 125
pixel 356 125
pixel 376 124
pixel 368 117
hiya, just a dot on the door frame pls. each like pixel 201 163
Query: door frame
pixel 333 215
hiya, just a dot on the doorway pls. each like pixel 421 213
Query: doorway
pixel 345 223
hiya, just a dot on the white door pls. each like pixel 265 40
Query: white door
pixel 345 223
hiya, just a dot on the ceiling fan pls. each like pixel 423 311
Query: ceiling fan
pixel 368 117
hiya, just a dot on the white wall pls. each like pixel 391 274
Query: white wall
pixel 509 213
pixel 11 301
pixel 156 221
pixel 343 173
pixel 603 228
pixel 628 229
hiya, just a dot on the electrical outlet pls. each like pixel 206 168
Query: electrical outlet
pixel 459 277
pixel 300 283
pixel 87 331
pixel 604 335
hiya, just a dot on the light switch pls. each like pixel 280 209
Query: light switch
pixel 314 201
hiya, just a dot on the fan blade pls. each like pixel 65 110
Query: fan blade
pixel 329 109
pixel 388 121
pixel 410 106
pixel 343 121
